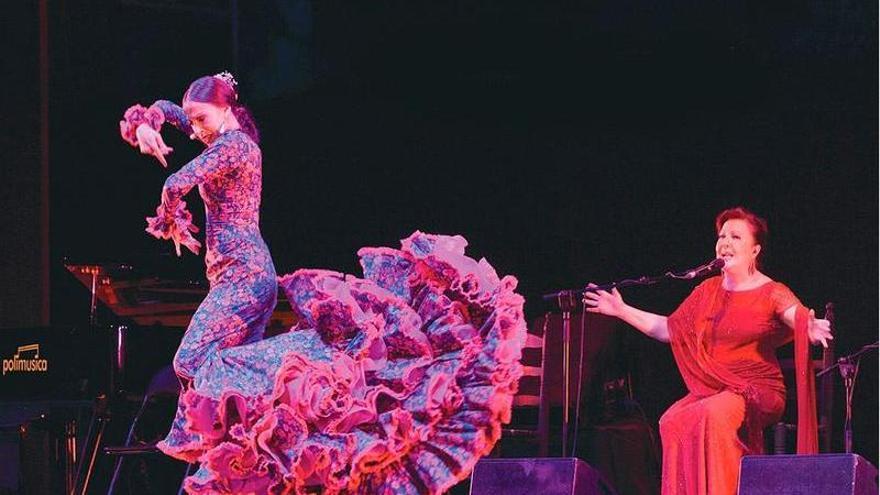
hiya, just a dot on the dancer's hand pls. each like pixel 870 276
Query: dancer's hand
pixel 819 330
pixel 604 302
pixel 150 143
pixel 187 241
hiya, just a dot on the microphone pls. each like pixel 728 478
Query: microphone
pixel 703 269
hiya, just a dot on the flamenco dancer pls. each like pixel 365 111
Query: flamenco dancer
pixel 723 337
pixel 397 382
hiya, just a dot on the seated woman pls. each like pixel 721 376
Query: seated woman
pixel 723 338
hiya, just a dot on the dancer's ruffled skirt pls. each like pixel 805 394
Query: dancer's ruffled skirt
pixel 395 383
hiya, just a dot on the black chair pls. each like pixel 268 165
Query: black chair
pixel 164 384
pixel 785 430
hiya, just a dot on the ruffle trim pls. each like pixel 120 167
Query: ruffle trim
pixel 421 373
pixel 135 116
pixel 175 225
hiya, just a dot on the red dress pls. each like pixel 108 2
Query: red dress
pixel 724 343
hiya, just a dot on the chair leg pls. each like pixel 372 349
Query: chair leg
pixel 117 468
pixel 779 434
pixel 90 450
pixel 190 470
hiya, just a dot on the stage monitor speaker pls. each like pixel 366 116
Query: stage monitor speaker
pixel 529 476
pixel 822 474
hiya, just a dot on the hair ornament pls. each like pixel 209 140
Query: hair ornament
pixel 229 79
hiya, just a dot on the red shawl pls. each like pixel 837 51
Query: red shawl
pixel 704 375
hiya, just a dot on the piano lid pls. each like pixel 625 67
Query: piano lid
pixel 150 300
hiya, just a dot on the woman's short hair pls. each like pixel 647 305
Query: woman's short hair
pixel 757 224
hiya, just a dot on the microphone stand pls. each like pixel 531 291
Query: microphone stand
pixel 566 303
pixel 565 300
pixel 849 369
pixel 579 293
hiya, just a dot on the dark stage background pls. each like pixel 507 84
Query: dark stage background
pixel 567 141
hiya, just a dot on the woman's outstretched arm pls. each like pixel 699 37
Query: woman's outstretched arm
pixel 612 304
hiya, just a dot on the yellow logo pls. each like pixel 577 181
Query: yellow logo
pixel 19 365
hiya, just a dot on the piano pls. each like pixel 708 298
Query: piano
pixel 145 299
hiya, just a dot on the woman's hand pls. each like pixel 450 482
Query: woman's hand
pixel 819 330
pixel 187 240
pixel 611 304
pixel 150 143
pixel 604 302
